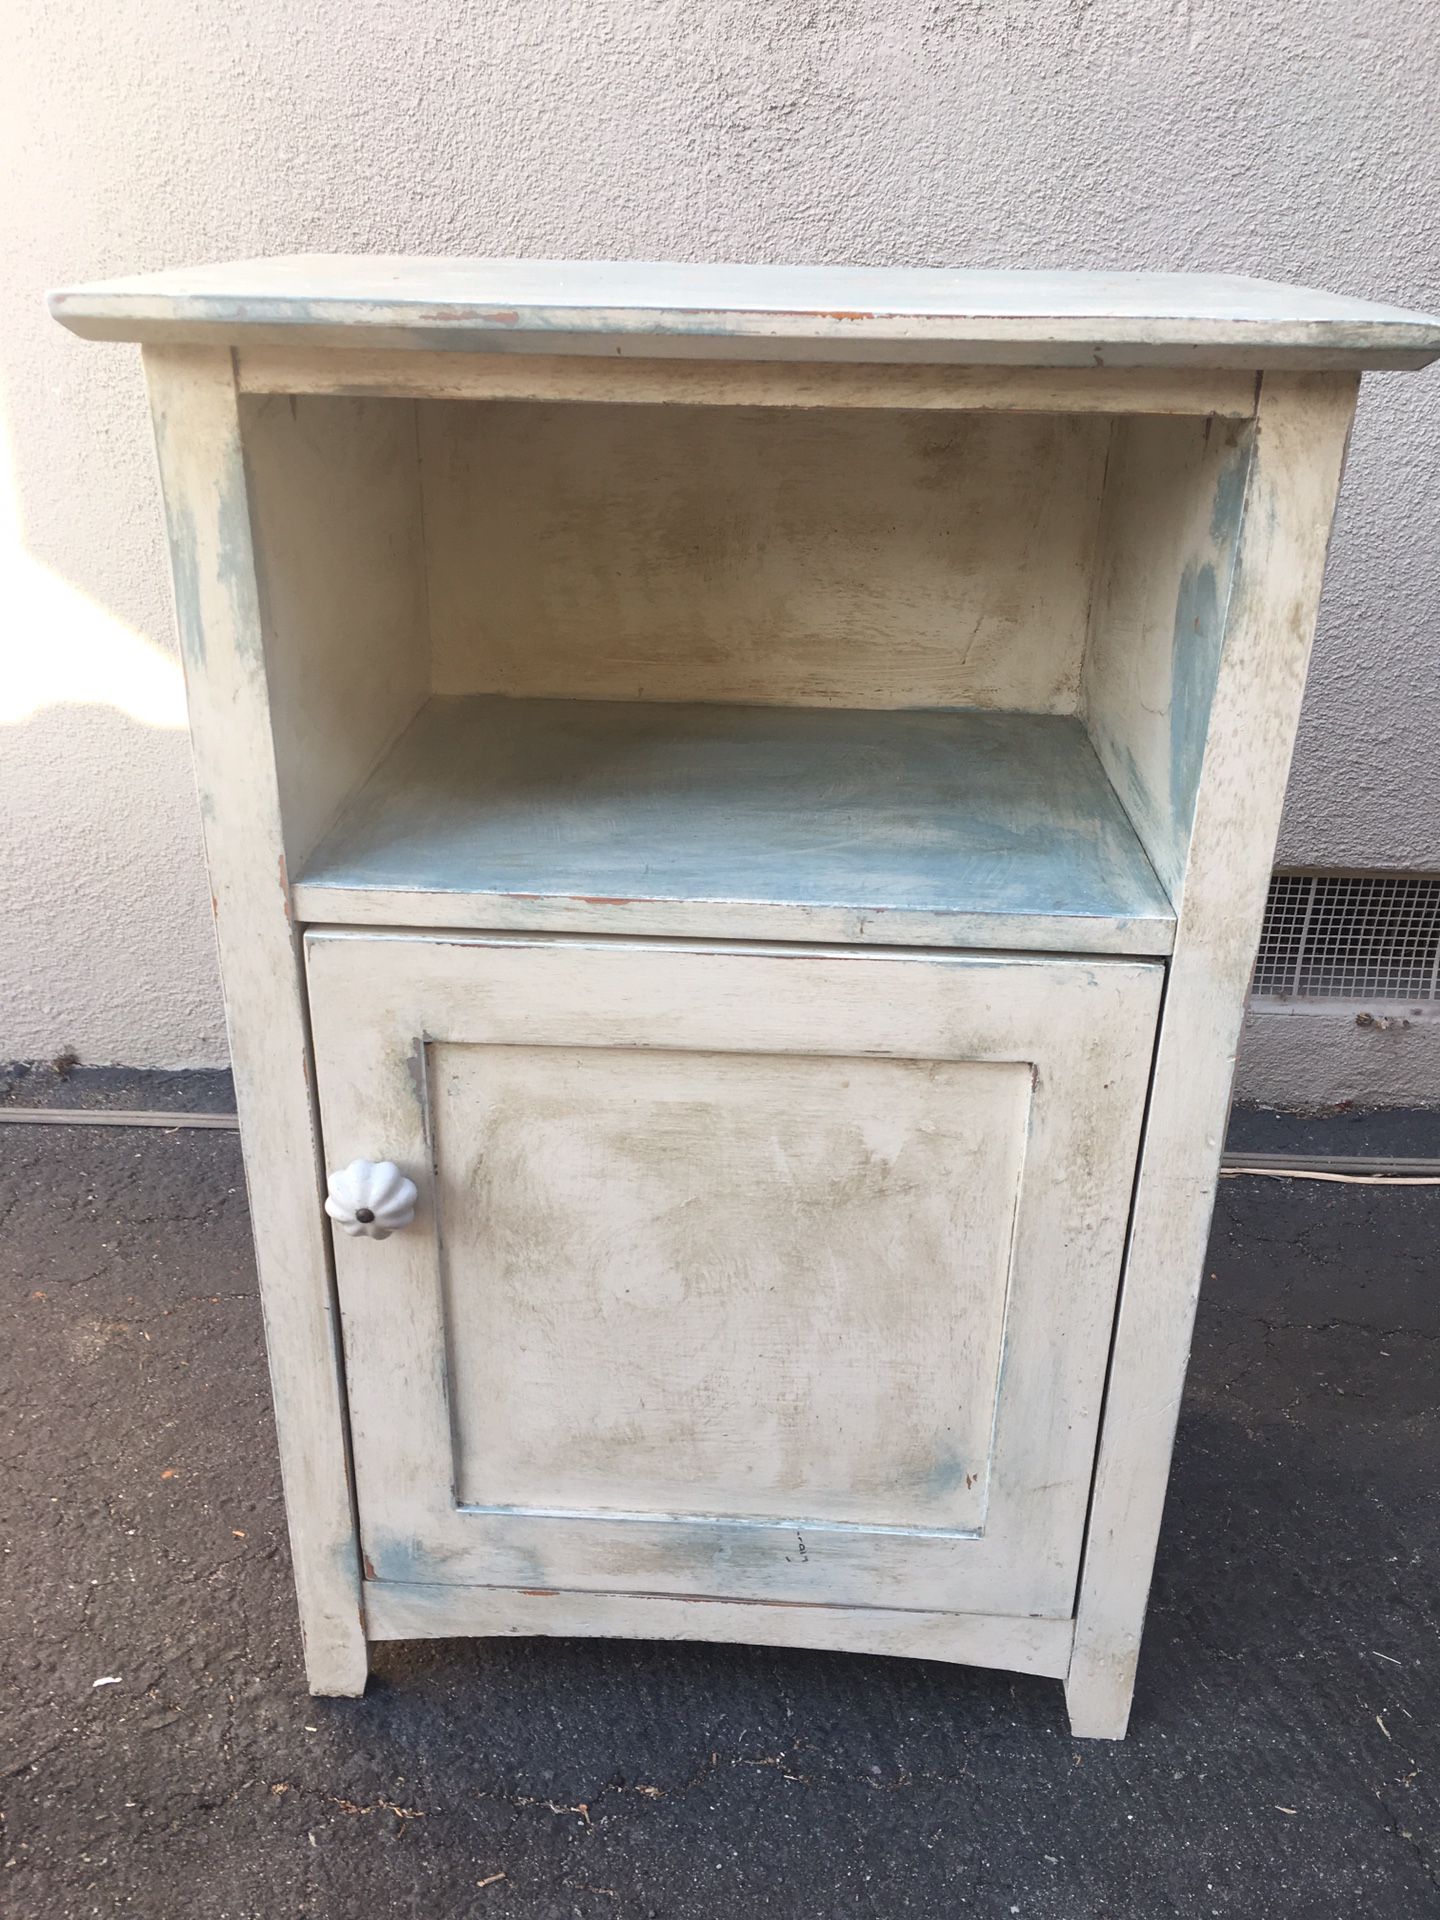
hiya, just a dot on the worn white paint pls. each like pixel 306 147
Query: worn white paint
pixel 789 1237
pixel 217 610
pixel 1292 484
pixel 615 1347
pixel 1173 495
pixel 727 383
pixel 395 1610
pixel 825 558
pixel 335 500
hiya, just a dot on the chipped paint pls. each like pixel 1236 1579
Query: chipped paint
pixel 467 316
pixel 184 545
pixel 416 1070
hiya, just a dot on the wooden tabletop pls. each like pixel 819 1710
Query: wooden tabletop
pixel 754 312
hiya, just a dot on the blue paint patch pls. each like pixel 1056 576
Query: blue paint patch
pixel 611 804
pixel 396 1557
pixel 236 561
pixel 405 1558
pixel 1199 634
pixel 1194 667
pixel 185 571
pixel 1134 792
pixel 948 1479
pixel 1229 500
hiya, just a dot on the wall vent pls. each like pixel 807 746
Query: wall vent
pixel 1335 936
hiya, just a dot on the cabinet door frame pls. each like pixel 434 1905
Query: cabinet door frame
pixel 1085 1029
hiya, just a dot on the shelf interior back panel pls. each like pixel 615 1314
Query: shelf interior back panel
pixel 934 828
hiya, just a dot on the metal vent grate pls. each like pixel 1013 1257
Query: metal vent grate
pixel 1330 936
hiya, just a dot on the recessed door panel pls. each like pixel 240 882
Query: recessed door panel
pixel 750 1284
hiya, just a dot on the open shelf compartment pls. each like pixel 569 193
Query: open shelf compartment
pixel 877 675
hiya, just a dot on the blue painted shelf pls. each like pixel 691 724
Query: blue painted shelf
pixel 934 828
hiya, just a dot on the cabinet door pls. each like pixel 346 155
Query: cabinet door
pixel 754 1273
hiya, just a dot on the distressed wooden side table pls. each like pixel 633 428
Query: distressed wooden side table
pixel 739 803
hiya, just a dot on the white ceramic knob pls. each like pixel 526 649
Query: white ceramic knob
pixel 371 1197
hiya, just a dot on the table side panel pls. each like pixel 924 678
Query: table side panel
pixel 1294 480
pixel 335 501
pixel 197 435
pixel 1169 533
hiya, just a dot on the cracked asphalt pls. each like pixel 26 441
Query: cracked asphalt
pixel 162 1759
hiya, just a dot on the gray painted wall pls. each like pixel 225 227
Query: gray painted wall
pixel 1299 140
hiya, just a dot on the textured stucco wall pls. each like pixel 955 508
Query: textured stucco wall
pixel 1298 140
pixel 1308 1056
